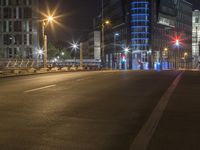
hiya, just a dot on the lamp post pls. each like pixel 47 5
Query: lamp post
pixel 44 37
pixel 74 47
pixel 185 59
pixel 177 46
pixel 115 47
pixel 104 23
pixel 126 51
pixel 166 54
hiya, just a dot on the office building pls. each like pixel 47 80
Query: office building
pixel 19 26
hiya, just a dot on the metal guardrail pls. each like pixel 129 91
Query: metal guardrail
pixel 28 63
pixel 14 67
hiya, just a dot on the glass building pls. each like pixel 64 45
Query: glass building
pixel 18 29
pixel 150 30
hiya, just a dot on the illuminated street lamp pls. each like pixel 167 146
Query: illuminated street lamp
pixel 165 49
pixel 185 58
pixel 115 54
pixel 104 23
pixel 62 53
pixel 185 54
pixel 177 44
pixel 126 50
pixel 75 47
pixel 49 19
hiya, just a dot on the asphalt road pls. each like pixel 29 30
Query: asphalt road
pixel 88 110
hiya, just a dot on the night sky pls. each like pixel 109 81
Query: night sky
pixel 78 17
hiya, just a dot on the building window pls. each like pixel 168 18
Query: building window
pixel 17 26
pixel 20 2
pixel 13 2
pixel 0 26
pixel 10 26
pixel 27 12
pixel 15 52
pixel 9 52
pixel 20 13
pixel 30 26
pixel 30 39
pixel 30 2
pixel 5 2
pixel 0 10
pixel 7 39
pixel 196 20
pixel 25 39
pixel 5 26
pixel 7 13
pixel 18 39
pixel 14 13
pixel 29 53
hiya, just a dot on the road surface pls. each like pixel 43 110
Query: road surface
pixel 97 111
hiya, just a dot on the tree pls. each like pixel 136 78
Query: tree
pixel 67 54
pixel 52 51
pixel 1 53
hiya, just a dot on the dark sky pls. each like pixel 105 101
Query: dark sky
pixel 79 16
pixel 78 20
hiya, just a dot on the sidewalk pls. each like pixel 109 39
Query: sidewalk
pixel 179 128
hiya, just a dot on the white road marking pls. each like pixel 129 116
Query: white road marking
pixel 144 136
pixel 82 79
pixel 41 88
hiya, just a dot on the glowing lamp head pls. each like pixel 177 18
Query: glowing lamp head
pixel 40 52
pixel 185 54
pixel 107 22
pixel 117 34
pixel 126 50
pixel 75 46
pixel 50 18
pixel 177 42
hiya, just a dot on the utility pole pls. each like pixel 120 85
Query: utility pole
pixel 102 34
pixel 81 55
pixel 44 45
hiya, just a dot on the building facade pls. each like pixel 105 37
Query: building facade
pixel 19 29
pixel 150 29
pixel 92 46
pixel 196 34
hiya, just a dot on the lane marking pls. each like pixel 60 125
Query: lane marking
pixel 41 88
pixel 82 79
pixel 144 136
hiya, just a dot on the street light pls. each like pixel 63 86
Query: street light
pixel 104 23
pixel 126 50
pixel 115 41
pixel 62 53
pixel 44 36
pixel 74 47
pixel 50 18
pixel 185 59
pixel 177 43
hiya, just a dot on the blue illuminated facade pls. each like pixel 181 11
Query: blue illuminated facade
pixel 146 27
pixel 140 25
